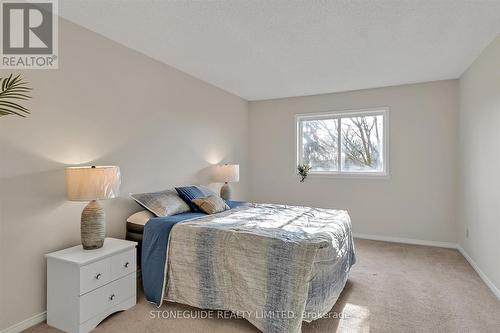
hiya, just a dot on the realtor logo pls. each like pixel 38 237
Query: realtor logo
pixel 29 34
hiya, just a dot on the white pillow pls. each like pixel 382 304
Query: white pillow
pixel 140 217
pixel 163 203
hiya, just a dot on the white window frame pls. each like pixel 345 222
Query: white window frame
pixel 384 111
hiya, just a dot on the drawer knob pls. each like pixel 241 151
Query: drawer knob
pixel 112 297
pixel 126 264
pixel 98 276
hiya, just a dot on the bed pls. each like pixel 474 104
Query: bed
pixel 274 265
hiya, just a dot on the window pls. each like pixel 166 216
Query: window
pixel 350 143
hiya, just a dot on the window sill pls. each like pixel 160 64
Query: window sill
pixel 350 175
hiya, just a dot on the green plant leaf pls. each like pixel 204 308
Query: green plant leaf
pixel 17 96
pixel 13 89
pixel 9 112
pixel 8 104
pixel 6 82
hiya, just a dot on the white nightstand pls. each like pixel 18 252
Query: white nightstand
pixel 86 286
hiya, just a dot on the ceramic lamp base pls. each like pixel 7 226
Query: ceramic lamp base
pixel 93 226
pixel 225 192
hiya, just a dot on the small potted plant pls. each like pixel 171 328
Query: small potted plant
pixel 303 171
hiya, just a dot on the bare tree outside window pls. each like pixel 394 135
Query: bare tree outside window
pixel 342 143
pixel 320 142
pixel 362 143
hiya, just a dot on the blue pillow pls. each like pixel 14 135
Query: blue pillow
pixel 233 204
pixel 188 193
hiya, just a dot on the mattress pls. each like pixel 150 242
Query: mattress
pixel 136 230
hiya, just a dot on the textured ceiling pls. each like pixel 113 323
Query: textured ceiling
pixel 270 49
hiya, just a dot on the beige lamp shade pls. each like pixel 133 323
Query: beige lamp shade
pixel 92 183
pixel 227 173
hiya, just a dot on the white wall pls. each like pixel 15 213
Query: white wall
pixel 106 104
pixel 419 199
pixel 480 161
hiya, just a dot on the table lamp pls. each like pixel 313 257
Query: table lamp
pixel 227 173
pixel 92 183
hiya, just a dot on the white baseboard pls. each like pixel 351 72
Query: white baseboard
pixel 483 276
pixel 407 241
pixel 27 323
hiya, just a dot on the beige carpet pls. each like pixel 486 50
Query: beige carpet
pixel 392 288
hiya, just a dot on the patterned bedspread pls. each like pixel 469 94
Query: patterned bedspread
pixel 274 265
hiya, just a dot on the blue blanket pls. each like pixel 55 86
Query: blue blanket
pixel 154 251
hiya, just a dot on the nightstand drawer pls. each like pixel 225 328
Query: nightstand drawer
pixel 99 300
pixel 123 264
pixel 95 275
